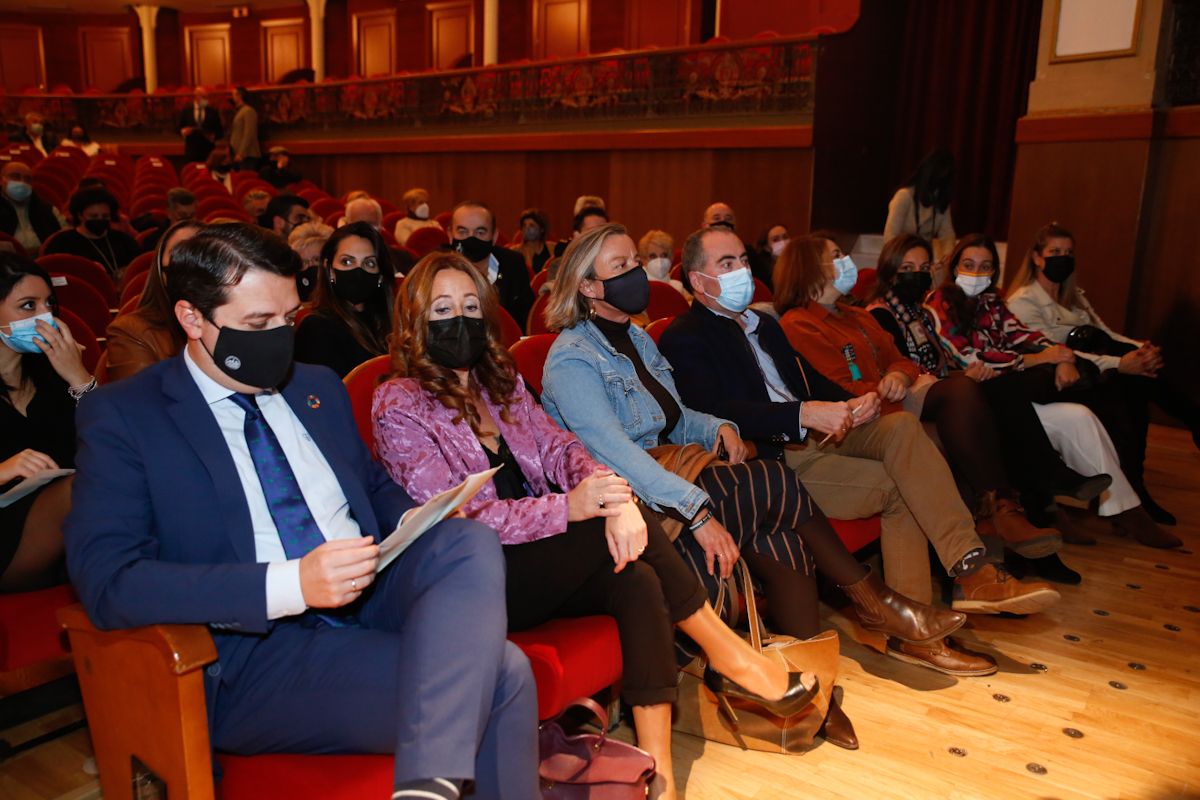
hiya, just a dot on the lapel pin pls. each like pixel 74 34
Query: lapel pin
pixel 314 402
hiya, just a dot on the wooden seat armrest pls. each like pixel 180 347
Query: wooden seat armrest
pixel 184 647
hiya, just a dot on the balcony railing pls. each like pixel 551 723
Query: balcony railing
pixel 763 77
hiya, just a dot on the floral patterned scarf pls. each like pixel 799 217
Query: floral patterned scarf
pixel 922 342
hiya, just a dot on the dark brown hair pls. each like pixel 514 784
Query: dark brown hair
pixel 155 305
pixel 371 335
pixel 799 275
pixel 960 308
pixel 892 256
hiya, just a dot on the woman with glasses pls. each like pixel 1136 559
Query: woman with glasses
pixel 351 317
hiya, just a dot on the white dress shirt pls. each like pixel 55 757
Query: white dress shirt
pixel 318 485
pixel 777 388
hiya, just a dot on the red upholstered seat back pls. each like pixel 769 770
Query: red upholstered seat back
pixel 530 354
pixel 82 268
pixel 360 384
pixel 425 240
pixel 665 301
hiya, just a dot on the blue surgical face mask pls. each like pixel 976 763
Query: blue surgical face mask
pixel 737 290
pixel 19 191
pixel 22 333
pixel 846 274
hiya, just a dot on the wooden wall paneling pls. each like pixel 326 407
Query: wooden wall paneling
pixel 168 40
pixel 659 23
pixel 207 54
pixel 664 189
pixel 22 57
pixel 560 28
pixel 107 57
pixel 516 30
pixel 764 187
pixel 375 43
pixel 606 26
pixel 554 179
pixel 450 32
pixel 1095 190
pixel 284 47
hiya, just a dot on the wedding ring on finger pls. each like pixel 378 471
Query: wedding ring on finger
pixel 353 585
pixel 600 502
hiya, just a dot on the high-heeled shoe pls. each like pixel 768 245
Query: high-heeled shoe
pixel 794 700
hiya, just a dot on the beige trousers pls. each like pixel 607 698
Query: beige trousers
pixel 891 467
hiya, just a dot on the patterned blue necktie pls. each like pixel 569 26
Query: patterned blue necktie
pixel 297 529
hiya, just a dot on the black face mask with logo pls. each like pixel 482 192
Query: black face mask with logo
pixel 262 359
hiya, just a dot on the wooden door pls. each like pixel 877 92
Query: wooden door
pixel 283 47
pixel 658 23
pixel 22 59
pixel 375 43
pixel 560 28
pixel 451 29
pixel 206 48
pixel 106 57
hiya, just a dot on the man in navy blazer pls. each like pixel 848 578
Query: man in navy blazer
pixel 204 494
pixel 200 126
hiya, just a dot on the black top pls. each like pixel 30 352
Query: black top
pixel 41 217
pixel 48 424
pixel 279 178
pixel 509 481
pixel 113 251
pixel 328 341
pixel 618 336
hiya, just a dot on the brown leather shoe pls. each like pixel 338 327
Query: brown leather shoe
pixel 885 611
pixel 992 590
pixel 1136 522
pixel 945 655
pixel 1018 533
pixel 1072 529
pixel 837 728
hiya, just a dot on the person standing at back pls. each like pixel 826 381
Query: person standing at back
pixel 922 206
pixel 243 133
pixel 200 126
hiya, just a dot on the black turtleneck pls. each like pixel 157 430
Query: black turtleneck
pixel 618 336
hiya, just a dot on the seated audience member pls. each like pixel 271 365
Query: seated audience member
pixel 589 201
pixel 364 209
pixel 285 213
pixel 655 249
pixel 352 304
pixel 220 164
pixel 307 241
pixel 255 202
pixel 737 364
pixel 200 126
pixel 35 133
pixel 120 222
pixel 606 382
pixel 767 249
pixel 1047 298
pixel 456 405
pixel 586 219
pixel 719 215
pixel 416 209
pixel 217 491
pixel 533 246
pixel 277 171
pixel 922 205
pixel 974 326
pixel 149 333
pixel 473 233
pixel 181 207
pixel 80 138
pixel 93 211
pixel 42 377
pixel 23 214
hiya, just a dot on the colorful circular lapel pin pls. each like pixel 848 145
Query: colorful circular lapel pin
pixel 314 402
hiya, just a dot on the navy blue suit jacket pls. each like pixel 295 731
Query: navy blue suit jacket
pixel 159 529
pixel 717 372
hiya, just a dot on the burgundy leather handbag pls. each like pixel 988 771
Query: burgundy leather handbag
pixel 590 766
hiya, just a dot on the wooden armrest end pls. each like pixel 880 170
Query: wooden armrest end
pixel 184 648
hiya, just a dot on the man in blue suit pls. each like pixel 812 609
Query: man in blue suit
pixel 229 488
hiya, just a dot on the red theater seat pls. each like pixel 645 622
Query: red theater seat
pixel 530 354
pixel 83 269
pixel 29 633
pixel 424 241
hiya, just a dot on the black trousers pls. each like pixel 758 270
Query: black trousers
pixel 571 575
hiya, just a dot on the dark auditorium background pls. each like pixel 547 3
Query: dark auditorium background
pixel 1107 145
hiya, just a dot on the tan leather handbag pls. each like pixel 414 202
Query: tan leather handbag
pixel 697 711
pixel 687 461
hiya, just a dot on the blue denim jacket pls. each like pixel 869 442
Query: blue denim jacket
pixel 594 392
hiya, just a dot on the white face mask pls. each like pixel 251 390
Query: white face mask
pixel 658 268
pixel 777 247
pixel 973 285
pixel 421 211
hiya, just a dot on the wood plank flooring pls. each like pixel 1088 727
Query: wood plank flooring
pixel 1142 741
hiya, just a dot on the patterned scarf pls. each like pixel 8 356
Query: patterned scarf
pixel 922 343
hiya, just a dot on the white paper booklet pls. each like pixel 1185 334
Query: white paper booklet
pixel 424 517
pixel 31 484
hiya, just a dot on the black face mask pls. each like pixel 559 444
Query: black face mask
pixel 97 227
pixel 456 343
pixel 261 359
pixel 306 281
pixel 1059 268
pixel 911 287
pixel 628 292
pixel 473 248
pixel 722 223
pixel 354 285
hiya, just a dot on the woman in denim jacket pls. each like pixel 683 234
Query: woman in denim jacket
pixel 606 382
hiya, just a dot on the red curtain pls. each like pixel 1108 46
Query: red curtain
pixel 963 82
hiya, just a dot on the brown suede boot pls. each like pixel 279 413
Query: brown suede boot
pixel 1136 522
pixel 991 589
pixel 883 610
pixel 1018 533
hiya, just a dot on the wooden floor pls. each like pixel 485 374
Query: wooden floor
pixel 926 735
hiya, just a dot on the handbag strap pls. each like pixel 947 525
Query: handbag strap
pixel 729 587
pixel 597 710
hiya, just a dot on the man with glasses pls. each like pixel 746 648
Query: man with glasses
pixel 285 213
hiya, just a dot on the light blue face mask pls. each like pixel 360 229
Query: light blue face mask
pixel 23 332
pixel 19 191
pixel 737 290
pixel 847 274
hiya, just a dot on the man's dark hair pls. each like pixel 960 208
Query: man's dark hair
pixel 90 182
pixel 281 206
pixel 476 204
pixel 584 213
pixel 206 265
pixel 691 257
pixel 179 196
pixel 94 195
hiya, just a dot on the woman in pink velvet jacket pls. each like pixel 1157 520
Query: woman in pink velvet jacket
pixel 575 540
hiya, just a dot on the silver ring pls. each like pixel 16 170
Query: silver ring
pixel 641 550
pixel 354 584
pixel 600 502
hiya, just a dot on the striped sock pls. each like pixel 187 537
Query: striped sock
pixel 430 789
